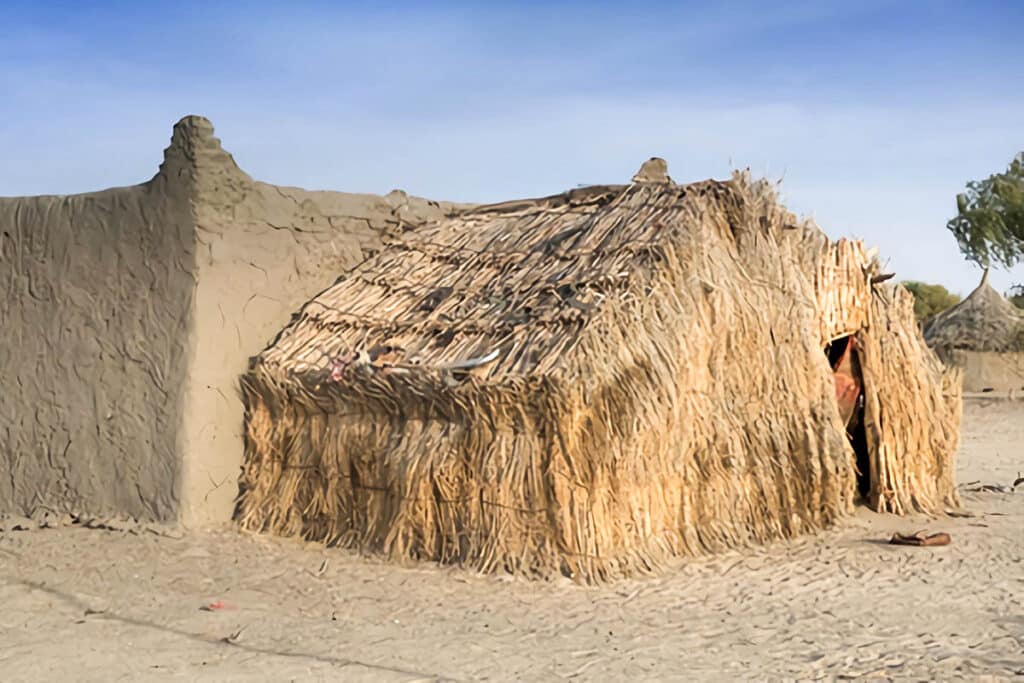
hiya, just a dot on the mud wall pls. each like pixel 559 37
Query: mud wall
pixel 988 370
pixel 128 316
pixel 94 322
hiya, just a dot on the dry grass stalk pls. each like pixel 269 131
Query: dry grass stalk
pixel 912 410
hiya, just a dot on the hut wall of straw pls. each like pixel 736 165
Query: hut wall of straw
pixel 673 448
pixel 913 407
pixel 589 384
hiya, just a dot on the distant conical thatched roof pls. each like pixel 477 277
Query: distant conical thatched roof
pixel 984 321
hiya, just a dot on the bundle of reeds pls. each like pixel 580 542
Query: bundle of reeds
pixel 913 406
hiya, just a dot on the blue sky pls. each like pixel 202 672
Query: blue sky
pixel 873 114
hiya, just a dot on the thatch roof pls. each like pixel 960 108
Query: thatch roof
pixel 511 286
pixel 984 321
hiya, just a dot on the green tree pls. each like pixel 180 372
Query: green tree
pixel 930 299
pixel 989 225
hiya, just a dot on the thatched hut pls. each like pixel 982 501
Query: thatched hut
pixel 593 382
pixel 984 336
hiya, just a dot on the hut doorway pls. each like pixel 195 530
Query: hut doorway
pixel 849 383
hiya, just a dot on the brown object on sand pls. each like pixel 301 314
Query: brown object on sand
pixel 920 538
pixel 641 376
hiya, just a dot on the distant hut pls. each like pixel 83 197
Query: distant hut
pixel 594 382
pixel 983 335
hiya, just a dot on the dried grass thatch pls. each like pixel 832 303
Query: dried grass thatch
pixel 912 410
pixel 983 335
pixel 984 321
pixel 588 384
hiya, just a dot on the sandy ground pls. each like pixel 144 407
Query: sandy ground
pixel 92 605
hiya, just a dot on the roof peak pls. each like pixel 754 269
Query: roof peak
pixel 654 170
pixel 194 150
pixel 984 288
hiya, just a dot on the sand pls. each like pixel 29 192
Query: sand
pixel 92 605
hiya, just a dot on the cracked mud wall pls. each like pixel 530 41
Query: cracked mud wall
pixel 94 315
pixel 128 316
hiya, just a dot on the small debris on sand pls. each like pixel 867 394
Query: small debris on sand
pixel 920 538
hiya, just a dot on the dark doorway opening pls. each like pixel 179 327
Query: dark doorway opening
pixel 845 363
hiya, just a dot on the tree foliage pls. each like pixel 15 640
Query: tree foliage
pixel 989 225
pixel 930 299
